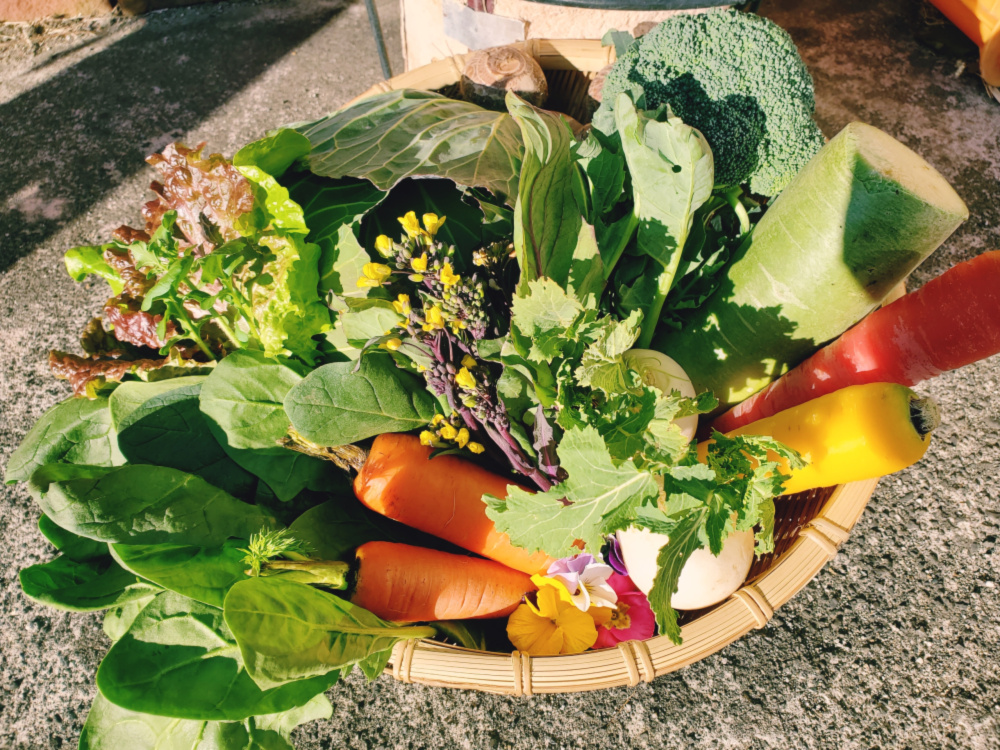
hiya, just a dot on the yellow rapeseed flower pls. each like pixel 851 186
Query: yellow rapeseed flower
pixel 410 224
pixel 432 223
pixel 448 276
pixel 384 246
pixel 551 626
pixel 438 419
pixel 393 344
pixel 427 438
pixel 462 438
pixel 448 432
pixel 433 319
pixel 476 448
pixel 466 379
pixel 402 304
pixel 419 264
pixel 469 361
pixel 376 271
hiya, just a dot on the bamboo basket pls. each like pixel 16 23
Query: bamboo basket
pixel 809 526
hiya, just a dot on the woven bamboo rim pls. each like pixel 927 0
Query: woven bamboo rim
pixel 809 526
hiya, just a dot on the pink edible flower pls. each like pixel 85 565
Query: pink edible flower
pixel 633 619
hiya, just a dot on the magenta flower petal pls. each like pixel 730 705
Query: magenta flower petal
pixel 633 620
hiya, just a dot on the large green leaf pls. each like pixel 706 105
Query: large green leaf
pixel 290 631
pixel 204 574
pixel 243 400
pixel 405 133
pixel 166 427
pixel 71 545
pixel 669 564
pixel 334 405
pixel 551 237
pixel 110 727
pixel 672 174
pixel 76 431
pixel 179 659
pixel 597 491
pixel 143 505
pixel 82 586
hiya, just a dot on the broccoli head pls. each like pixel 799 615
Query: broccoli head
pixel 737 78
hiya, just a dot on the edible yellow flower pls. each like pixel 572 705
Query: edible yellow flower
pixel 476 448
pixel 393 344
pixel 402 304
pixel 433 319
pixel 465 379
pixel 462 438
pixel 551 626
pixel 376 271
pixel 448 276
pixel 384 246
pixel 419 264
pixel 448 432
pixel 364 282
pixel 564 594
pixel 469 361
pixel 432 223
pixel 410 224
pixel 438 419
pixel 427 438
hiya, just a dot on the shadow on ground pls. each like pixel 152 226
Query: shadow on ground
pixel 130 99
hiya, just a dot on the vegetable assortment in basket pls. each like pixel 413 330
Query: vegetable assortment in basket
pixel 426 370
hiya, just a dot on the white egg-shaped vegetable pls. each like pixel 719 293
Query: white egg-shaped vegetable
pixel 705 579
pixel 658 370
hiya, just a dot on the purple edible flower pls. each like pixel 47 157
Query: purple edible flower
pixel 615 556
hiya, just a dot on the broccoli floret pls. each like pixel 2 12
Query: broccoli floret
pixel 737 78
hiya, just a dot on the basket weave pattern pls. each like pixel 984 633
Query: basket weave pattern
pixel 809 526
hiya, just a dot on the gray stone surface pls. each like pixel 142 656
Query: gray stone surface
pixel 895 643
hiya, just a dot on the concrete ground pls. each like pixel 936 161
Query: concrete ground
pixel 895 643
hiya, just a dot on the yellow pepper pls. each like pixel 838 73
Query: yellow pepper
pixel 860 432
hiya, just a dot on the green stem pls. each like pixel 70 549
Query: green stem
pixel 190 330
pixel 616 253
pixel 663 284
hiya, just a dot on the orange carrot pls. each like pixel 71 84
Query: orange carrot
pixel 403 583
pixel 442 497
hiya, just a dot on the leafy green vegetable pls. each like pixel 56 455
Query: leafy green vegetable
pixel 334 405
pixel 368 320
pixel 118 620
pixel 274 153
pixel 596 495
pixel 405 133
pixel 142 505
pixel 163 425
pixel 551 238
pixel 733 491
pixel 672 176
pixel 204 574
pixel 179 659
pixel 75 431
pixel 82 586
pixel 83 261
pixel 70 545
pixel 243 400
pixel 110 727
pixel 289 631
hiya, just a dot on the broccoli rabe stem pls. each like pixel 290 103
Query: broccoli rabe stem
pixel 663 286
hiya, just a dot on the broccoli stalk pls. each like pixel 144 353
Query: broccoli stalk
pixel 737 78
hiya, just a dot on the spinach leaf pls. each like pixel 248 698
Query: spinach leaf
pixel 165 426
pixel 118 620
pixel 551 237
pixel 334 405
pixel 289 631
pixel 204 574
pixel 143 505
pixel 179 659
pixel 338 526
pixel 76 431
pixel 110 727
pixel 405 133
pixel 242 399
pixel 82 586
pixel 71 545
pixel 274 153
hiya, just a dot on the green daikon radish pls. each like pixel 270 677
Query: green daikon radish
pixel 858 218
